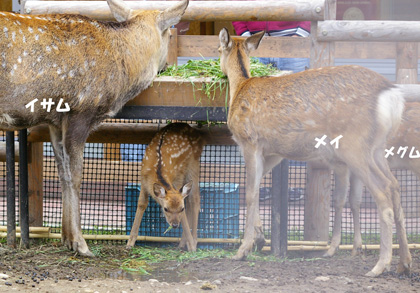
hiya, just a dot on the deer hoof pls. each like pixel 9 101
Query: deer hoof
pixel 372 274
pixel 259 243
pixel 404 268
pixel 329 253
pixel 356 251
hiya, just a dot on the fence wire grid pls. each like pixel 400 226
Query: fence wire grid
pixel 111 181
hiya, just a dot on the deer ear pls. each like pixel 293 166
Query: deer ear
pixel 185 190
pixel 225 40
pixel 120 10
pixel 172 15
pixel 159 191
pixel 254 41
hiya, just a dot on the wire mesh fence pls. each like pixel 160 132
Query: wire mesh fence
pixel 111 175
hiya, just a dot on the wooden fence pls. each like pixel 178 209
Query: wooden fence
pixel 329 39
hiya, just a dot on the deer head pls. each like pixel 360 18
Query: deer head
pixel 172 201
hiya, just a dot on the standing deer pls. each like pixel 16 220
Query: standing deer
pixel 92 67
pixel 407 136
pixel 170 172
pixel 272 118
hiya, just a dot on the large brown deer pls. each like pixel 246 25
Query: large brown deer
pixel 272 118
pixel 406 136
pixel 71 72
pixel 170 172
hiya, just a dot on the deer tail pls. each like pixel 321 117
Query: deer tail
pixel 410 92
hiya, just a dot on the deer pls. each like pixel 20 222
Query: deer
pixel 88 70
pixel 170 172
pixel 406 136
pixel 272 118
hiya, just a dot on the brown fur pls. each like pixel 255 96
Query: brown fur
pixel 94 66
pixel 273 118
pixel 407 135
pixel 170 169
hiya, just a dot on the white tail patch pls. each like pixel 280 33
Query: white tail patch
pixel 6 119
pixel 390 107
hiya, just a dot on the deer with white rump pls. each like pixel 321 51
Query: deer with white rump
pixel 95 67
pixel 272 118
pixel 170 172
pixel 407 137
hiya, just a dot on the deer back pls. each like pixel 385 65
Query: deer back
pixel 170 163
pixel 93 66
pixel 286 113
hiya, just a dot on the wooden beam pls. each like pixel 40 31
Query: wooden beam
pixel 140 133
pixel 197 10
pixel 375 31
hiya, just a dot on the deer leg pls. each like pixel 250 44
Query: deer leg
pixel 355 199
pixel 192 207
pixel 68 145
pixel 341 175
pixel 405 262
pixel 191 243
pixel 380 188
pixel 254 171
pixel 141 207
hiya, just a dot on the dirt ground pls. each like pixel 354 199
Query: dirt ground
pixel 51 268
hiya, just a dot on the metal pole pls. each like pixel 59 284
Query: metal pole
pixel 275 210
pixel 284 205
pixel 279 208
pixel 23 187
pixel 10 181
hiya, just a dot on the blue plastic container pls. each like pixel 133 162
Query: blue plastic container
pixel 218 218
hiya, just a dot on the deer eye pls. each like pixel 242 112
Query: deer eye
pixel 165 209
pixel 182 209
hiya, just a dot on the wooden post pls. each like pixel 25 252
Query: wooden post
pixel 173 48
pixel 406 72
pixel 35 183
pixel 406 61
pixel 317 201
pixel 6 5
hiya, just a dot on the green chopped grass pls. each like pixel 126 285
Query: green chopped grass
pixel 210 68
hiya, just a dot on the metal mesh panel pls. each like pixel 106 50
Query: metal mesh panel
pixel 110 168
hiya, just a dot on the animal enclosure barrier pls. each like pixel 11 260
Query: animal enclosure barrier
pixel 110 190
pixel 107 172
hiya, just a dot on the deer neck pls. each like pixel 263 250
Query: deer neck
pixel 238 75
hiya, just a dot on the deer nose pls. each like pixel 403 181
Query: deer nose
pixel 175 225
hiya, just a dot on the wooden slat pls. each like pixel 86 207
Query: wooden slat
pixel 197 10
pixel 376 31
pixel 207 46
pixel 364 50
pixel 169 91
